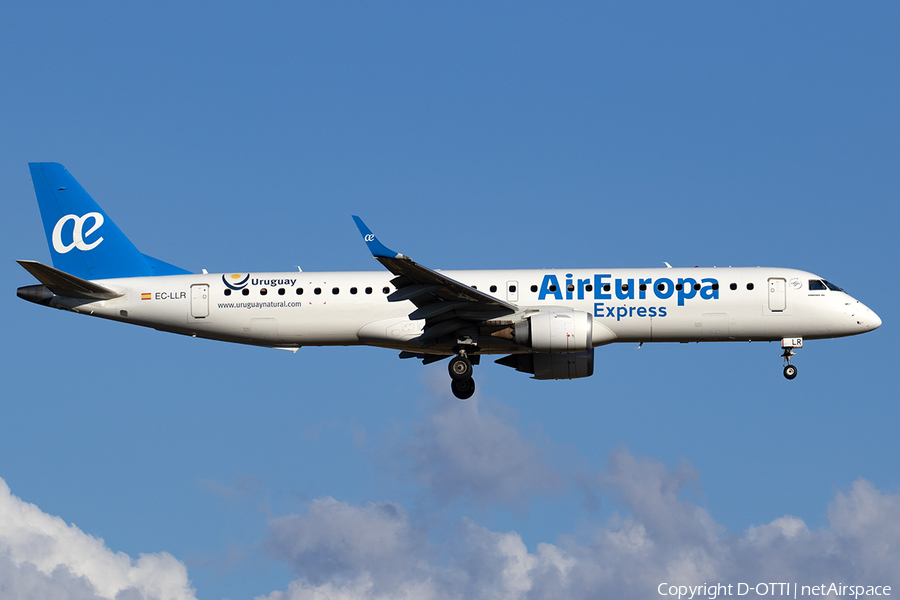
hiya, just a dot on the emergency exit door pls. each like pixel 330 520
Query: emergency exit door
pixel 512 291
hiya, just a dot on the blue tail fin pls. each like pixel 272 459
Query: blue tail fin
pixel 83 240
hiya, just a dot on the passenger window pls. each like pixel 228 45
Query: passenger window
pixel 643 287
pixel 679 287
pixel 493 288
pixel 353 290
pixel 661 287
pixel 263 292
pixel 281 291
pixel 317 291
pixel 552 288
pixel 606 287
pixel 245 292
pixel 715 286
pixel 299 291
pixel 624 287
pixel 534 288
pixel 570 287
pixel 512 289
pixel 749 286
pixel 589 288
pixel 227 292
pixel 385 289
pixel 335 291
pixel 733 286
pixel 368 290
pixel 697 287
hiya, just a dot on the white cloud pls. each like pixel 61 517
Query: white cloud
pixel 25 582
pixel 651 491
pixel 43 557
pixel 662 538
pixel 462 452
pixel 866 523
pixel 336 540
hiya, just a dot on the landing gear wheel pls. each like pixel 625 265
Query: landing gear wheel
pixel 790 372
pixel 463 388
pixel 460 369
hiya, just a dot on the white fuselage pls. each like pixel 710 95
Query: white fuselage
pixel 289 310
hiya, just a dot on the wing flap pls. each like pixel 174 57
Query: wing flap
pixel 430 311
pixel 411 292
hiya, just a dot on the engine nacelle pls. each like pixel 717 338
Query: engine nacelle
pixel 552 366
pixel 556 332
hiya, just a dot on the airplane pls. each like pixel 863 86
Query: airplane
pixel 546 323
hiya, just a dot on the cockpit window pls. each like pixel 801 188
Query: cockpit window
pixel 821 284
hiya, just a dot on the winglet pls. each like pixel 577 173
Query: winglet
pixel 377 249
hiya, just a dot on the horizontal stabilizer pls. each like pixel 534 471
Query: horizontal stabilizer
pixel 63 284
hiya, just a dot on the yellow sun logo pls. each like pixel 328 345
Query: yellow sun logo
pixel 235 276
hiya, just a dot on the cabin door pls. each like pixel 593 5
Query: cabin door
pixel 777 301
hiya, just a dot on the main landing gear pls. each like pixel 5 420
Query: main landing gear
pixel 463 389
pixel 462 384
pixel 790 371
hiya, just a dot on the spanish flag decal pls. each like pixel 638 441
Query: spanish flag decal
pixel 145 296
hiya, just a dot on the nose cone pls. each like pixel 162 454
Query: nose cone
pixel 858 318
pixel 866 319
pixel 873 321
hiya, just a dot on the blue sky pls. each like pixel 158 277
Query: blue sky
pixel 235 137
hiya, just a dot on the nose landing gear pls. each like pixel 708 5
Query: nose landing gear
pixel 462 384
pixel 790 371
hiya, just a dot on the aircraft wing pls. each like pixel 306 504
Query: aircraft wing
pixel 445 304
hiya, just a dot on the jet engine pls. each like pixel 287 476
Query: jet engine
pixel 556 332
pixel 552 366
